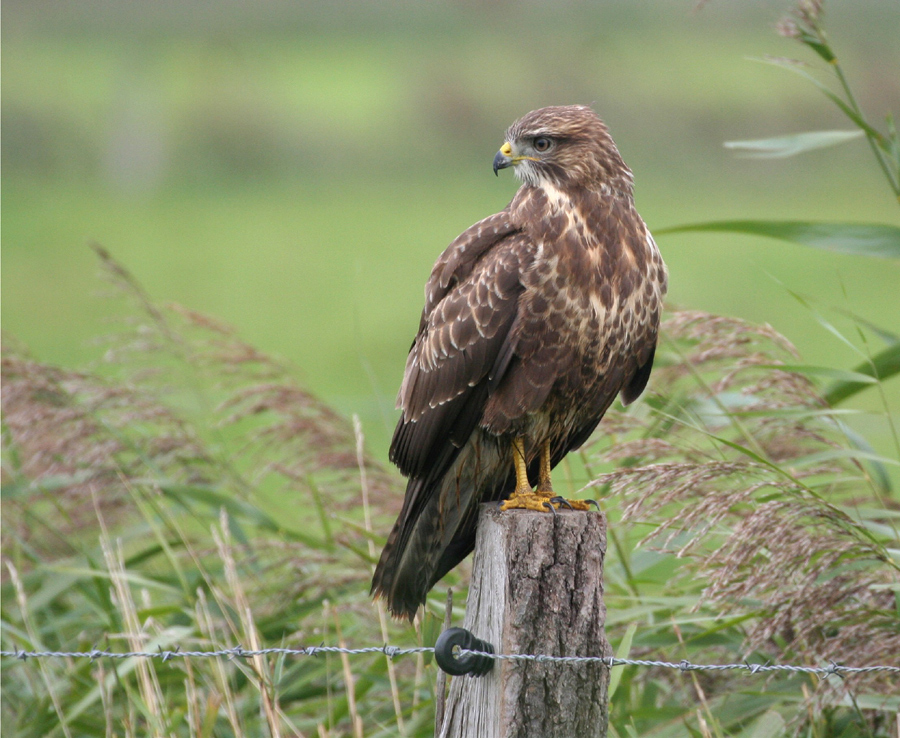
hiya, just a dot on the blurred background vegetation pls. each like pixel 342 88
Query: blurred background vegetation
pixel 294 168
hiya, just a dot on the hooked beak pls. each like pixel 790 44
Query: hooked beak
pixel 503 159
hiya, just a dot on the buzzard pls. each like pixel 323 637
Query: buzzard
pixel 535 319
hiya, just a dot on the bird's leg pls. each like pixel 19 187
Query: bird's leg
pixel 543 499
pixel 522 498
pixel 545 486
pixel 523 487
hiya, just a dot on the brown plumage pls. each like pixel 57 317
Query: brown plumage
pixel 535 319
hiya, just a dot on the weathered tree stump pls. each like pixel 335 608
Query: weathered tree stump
pixel 537 588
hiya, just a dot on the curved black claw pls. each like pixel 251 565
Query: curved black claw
pixel 550 506
pixel 561 501
pixel 593 502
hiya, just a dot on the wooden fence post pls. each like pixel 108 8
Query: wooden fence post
pixel 537 588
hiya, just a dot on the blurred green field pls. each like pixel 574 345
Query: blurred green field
pixel 295 171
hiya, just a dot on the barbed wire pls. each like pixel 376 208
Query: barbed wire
pixel 832 669
pixel 236 651
pixel 685 665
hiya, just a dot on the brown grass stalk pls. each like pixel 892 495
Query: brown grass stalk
pixel 258 668
pixel 148 682
pixel 378 603
pixel 207 626
pixel 46 676
pixel 349 684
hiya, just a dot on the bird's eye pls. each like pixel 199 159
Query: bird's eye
pixel 542 144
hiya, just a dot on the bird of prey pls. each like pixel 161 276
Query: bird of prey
pixel 535 319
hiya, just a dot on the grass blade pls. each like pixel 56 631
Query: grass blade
pixel 810 370
pixel 621 653
pixel 857 120
pixel 883 365
pixel 782 147
pixel 845 238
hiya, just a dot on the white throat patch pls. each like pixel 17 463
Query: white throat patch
pixel 527 173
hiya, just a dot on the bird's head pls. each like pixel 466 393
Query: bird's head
pixel 565 146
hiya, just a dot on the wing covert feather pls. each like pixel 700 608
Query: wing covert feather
pixel 445 385
pixel 459 258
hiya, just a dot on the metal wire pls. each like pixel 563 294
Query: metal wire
pixel 236 651
pixel 685 665
pixel 832 669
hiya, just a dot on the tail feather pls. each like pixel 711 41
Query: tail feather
pixel 436 528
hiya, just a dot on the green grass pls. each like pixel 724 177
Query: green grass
pixel 236 504
pixel 332 278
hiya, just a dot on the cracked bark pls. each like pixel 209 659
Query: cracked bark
pixel 537 588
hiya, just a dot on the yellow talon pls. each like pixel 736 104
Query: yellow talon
pixel 523 488
pixel 542 499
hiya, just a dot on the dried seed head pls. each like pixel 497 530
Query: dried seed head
pixel 741 467
pixel 788 28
